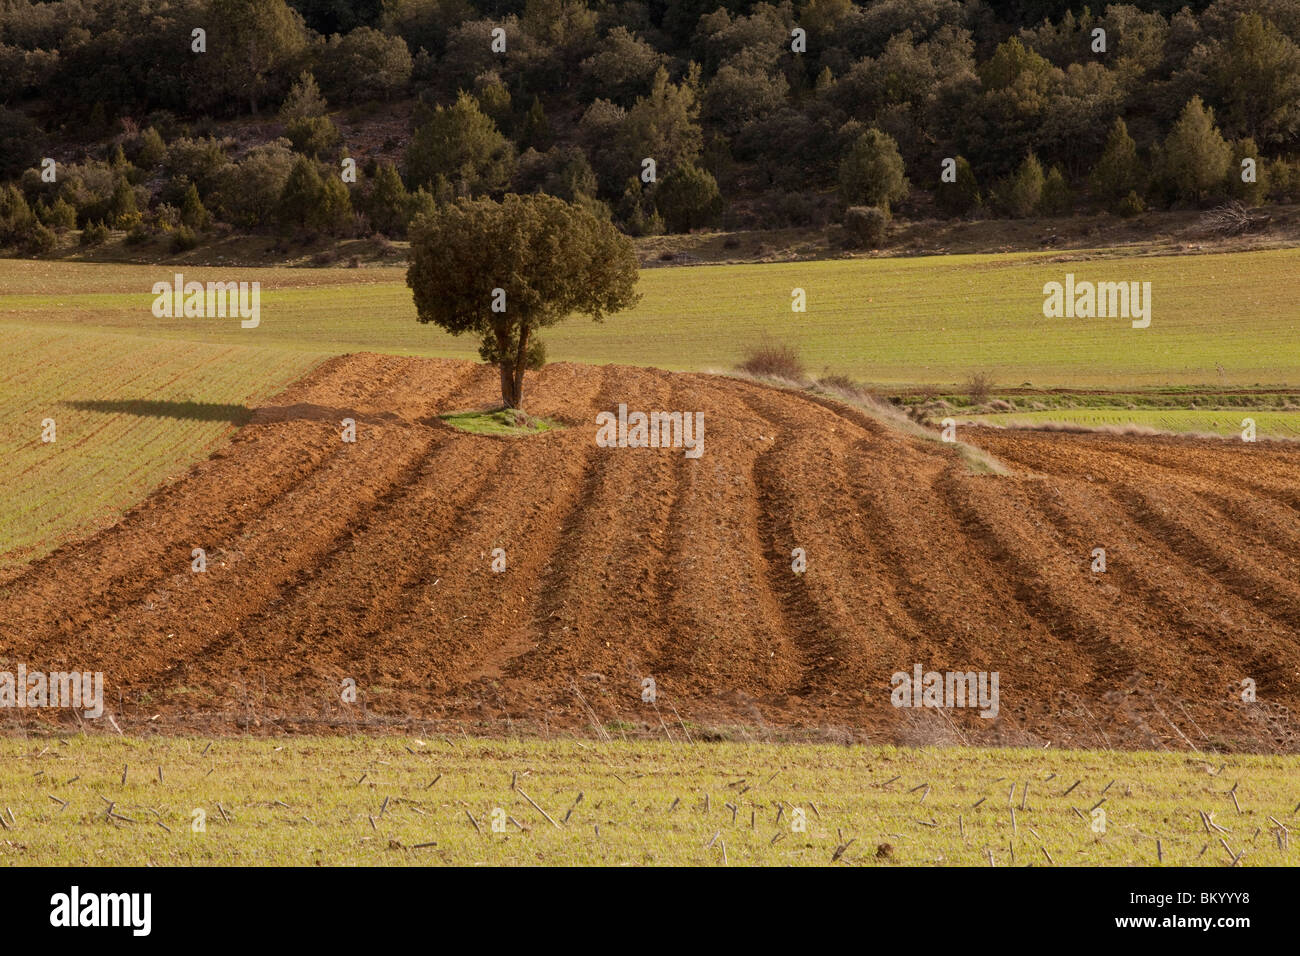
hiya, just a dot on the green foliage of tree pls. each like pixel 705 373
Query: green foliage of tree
pixel 61 216
pixel 19 136
pixel 550 259
pixel 16 217
pixel 663 126
pixel 314 136
pixel 1057 199
pixel 493 98
pixel 365 64
pixel 462 144
pixel 871 172
pixel 1118 171
pixel 388 203
pixel 95 234
pixel 1195 156
pixel 536 133
pixel 251 46
pixel 201 161
pixel 622 68
pixel 1251 187
pixel 123 211
pixel 688 198
pixel 1020 195
pixel 333 212
pixel 865 226
pixel 1284 180
pixel 737 96
pixel 248 194
pixel 149 150
pixel 301 194
pixel 192 212
pixel 304 100
pixel 962 196
pixel 1259 74
pixel 424 23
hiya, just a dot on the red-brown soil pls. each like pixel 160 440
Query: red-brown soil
pixel 372 561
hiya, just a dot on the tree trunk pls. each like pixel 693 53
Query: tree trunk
pixel 507 366
pixel 521 366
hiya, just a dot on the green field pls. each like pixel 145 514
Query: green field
pixel 402 801
pixel 84 348
pixel 1217 319
pixel 1226 422
pixel 129 413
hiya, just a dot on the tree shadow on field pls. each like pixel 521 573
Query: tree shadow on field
pixel 154 408
pixel 235 414
pixel 311 412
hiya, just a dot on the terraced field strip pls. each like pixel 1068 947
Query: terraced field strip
pixel 1221 318
pixel 129 414
pixel 407 801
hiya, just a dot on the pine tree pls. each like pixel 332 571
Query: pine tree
pixel 389 202
pixel 1056 199
pixel 193 213
pixel 301 194
pixel 1021 194
pixel 1118 172
pixel 1195 155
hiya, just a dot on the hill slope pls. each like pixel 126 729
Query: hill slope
pixel 372 561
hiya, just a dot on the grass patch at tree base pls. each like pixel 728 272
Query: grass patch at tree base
pixel 500 421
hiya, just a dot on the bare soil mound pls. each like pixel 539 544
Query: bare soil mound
pixel 372 561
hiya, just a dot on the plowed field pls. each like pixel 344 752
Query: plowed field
pixel 372 561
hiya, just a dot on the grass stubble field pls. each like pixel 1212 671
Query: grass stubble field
pixel 397 801
pixel 137 399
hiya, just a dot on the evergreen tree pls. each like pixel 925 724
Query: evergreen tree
pixel 871 173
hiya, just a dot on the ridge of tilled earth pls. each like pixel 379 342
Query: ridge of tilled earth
pixel 372 561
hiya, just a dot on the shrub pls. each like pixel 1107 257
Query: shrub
pixel 39 239
pixel 977 388
pixel 1284 180
pixel 773 360
pixel 1131 205
pixel 312 135
pixel 149 150
pixel 60 215
pixel 688 198
pixel 959 197
pixel 1056 199
pixel 864 226
pixel 872 171
pixel 183 239
pixel 192 211
pixel 95 233
pixel 1021 194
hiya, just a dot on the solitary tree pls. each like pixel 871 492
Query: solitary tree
pixel 503 271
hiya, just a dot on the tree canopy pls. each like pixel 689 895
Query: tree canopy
pixel 503 271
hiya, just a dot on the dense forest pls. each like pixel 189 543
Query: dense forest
pixel 174 119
